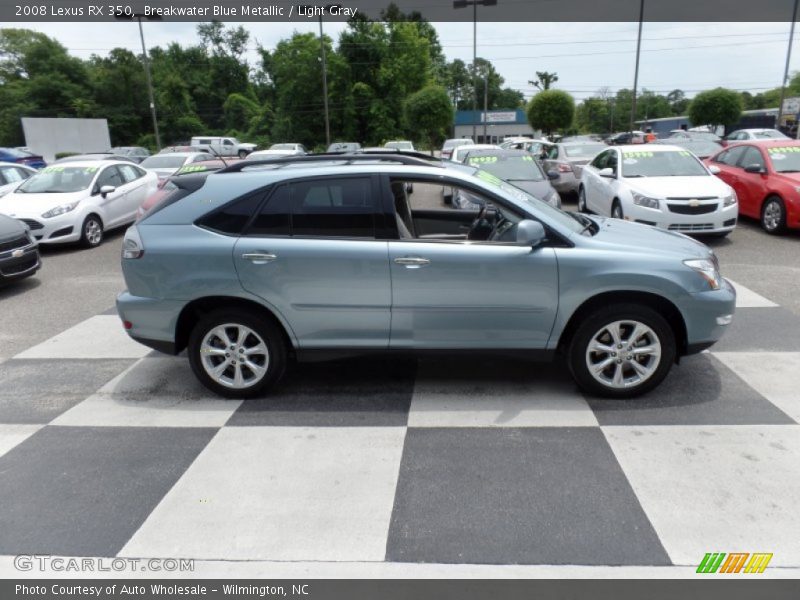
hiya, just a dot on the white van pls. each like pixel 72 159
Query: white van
pixel 223 146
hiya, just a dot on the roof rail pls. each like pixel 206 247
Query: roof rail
pixel 349 158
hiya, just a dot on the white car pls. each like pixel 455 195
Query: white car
pixel 167 164
pixel 459 152
pixel 223 146
pixel 401 145
pixel 12 174
pixel 659 185
pixel 744 135
pixel 279 150
pixel 77 202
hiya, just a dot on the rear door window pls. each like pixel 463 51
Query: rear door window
pixel 752 156
pixel 343 207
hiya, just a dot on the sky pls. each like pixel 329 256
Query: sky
pixel 586 56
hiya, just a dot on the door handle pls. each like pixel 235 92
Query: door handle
pixel 259 258
pixel 412 262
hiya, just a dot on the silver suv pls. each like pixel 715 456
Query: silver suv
pixel 306 256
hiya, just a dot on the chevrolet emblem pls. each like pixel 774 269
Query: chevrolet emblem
pixel 694 202
pixel 17 253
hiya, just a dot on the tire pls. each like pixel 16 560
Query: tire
pixel 582 200
pixel 616 210
pixel 242 154
pixel 608 327
pixel 91 232
pixel 259 331
pixel 773 216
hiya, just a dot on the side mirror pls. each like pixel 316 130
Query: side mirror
pixel 714 169
pixel 553 175
pixel 754 168
pixel 607 172
pixel 530 233
pixel 106 190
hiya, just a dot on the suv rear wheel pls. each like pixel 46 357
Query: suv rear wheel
pixel 621 351
pixel 237 354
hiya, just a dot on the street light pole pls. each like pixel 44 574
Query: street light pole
pixel 474 4
pixel 786 68
pixel 325 85
pixel 636 70
pixel 149 83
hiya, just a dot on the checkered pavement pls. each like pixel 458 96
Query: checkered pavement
pixel 107 449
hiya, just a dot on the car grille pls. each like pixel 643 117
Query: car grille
pixel 20 267
pixel 32 224
pixel 691 227
pixel 19 242
pixel 686 209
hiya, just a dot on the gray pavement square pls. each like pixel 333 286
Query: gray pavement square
pixel 36 391
pixel 360 392
pixel 84 491
pixel 771 329
pixel 699 391
pixel 517 496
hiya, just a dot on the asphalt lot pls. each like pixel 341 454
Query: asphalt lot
pixel 438 467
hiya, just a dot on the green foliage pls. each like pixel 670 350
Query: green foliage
pixel 544 80
pixel 551 110
pixel 715 107
pixel 431 113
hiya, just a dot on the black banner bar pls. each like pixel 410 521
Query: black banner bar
pixel 283 11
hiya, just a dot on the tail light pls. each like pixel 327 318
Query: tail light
pixel 564 168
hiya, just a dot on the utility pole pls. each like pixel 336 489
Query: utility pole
pixel 464 4
pixel 325 85
pixel 485 104
pixel 636 71
pixel 786 69
pixel 149 83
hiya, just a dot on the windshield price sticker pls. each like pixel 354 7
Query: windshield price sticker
pixel 483 159
pixel 90 169
pixel 52 169
pixel 637 154
pixel 191 169
pixel 685 153
pixel 783 150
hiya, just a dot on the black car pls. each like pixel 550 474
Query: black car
pixel 19 254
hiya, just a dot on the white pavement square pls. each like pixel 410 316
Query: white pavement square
pixel 466 401
pixel 716 488
pixel 13 435
pixel 280 493
pixel 771 374
pixel 747 298
pixel 153 392
pixel 101 336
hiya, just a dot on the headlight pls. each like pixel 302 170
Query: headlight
pixel 640 200
pixel 730 200
pixel 60 210
pixel 707 270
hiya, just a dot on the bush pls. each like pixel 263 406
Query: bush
pixel 550 110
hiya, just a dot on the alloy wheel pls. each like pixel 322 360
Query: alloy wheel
pixel 773 215
pixel 93 232
pixel 234 356
pixel 623 354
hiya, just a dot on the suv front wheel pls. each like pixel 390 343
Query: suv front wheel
pixel 237 354
pixel 621 351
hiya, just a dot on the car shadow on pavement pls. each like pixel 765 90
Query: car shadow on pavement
pixel 17 288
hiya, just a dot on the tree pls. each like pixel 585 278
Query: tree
pixel 550 110
pixel 545 80
pixel 431 113
pixel 592 116
pixel 715 107
pixel 678 102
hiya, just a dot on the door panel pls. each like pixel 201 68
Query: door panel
pixel 333 293
pixel 468 295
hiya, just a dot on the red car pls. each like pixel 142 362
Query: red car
pixel 766 177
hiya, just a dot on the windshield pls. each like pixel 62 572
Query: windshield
pixel 700 148
pixel 163 162
pixel 584 149
pixel 282 147
pixel 670 163
pixel 58 180
pixel 400 145
pixel 509 168
pixel 454 143
pixel 785 159
pixel 506 190
pixel 769 134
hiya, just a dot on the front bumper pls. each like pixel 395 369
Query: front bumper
pixel 721 220
pixel 57 230
pixel 18 267
pixel 707 316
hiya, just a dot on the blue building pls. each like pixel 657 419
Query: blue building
pixel 499 124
